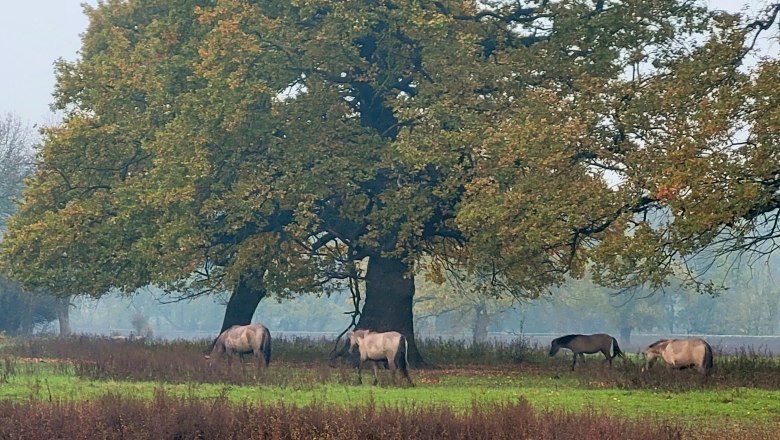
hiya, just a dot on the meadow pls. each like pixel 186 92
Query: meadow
pixel 485 391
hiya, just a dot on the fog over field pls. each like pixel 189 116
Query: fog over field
pixel 744 315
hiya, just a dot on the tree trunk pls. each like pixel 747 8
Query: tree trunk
pixel 63 316
pixel 625 335
pixel 480 330
pixel 242 303
pixel 26 324
pixel 388 305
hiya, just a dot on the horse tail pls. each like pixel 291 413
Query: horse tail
pixel 403 360
pixel 265 346
pixel 707 364
pixel 616 349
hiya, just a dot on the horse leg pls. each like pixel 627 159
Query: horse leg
pixel 608 359
pixel 229 354
pixel 392 366
pixel 574 361
pixel 376 378
pixel 360 372
pixel 405 371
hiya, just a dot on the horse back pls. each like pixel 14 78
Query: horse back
pixel 591 343
pixel 378 346
pixel 693 351
pixel 244 338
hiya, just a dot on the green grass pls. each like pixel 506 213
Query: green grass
pixel 456 388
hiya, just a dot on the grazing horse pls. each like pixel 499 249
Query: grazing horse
pixel 390 347
pixel 587 344
pixel 679 354
pixel 244 339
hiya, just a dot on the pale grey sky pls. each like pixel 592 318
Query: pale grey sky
pixel 34 33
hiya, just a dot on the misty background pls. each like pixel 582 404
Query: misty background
pixel 745 314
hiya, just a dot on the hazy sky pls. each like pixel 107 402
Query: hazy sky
pixel 34 33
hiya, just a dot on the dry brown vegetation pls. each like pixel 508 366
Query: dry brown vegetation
pixel 165 417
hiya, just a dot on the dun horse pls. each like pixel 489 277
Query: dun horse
pixel 587 344
pixel 390 347
pixel 679 354
pixel 244 339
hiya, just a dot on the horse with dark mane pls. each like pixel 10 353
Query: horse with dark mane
pixel 587 344
pixel 390 347
pixel 679 354
pixel 244 339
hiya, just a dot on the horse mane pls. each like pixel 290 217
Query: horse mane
pixel 658 342
pixel 565 339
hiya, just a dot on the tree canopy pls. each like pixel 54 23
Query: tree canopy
pixel 286 141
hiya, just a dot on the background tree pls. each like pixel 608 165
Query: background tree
pixel 280 146
pixel 16 163
pixel 459 304
pixel 20 310
pixel 747 302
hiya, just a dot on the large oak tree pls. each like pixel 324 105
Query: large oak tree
pixel 275 146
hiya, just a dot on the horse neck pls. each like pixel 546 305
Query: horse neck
pixel 224 340
pixel 219 347
pixel 358 336
pixel 660 346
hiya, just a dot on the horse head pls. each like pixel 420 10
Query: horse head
pixel 652 352
pixel 554 347
pixel 355 337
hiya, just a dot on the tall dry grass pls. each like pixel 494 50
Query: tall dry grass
pixel 167 417
pixel 184 361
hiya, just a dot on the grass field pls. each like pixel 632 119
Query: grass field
pixel 742 393
pixel 458 389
